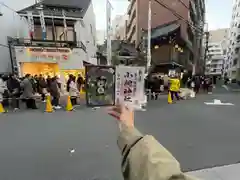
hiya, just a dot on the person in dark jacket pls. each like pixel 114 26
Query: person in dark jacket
pixel 14 89
pixel 55 93
pixel 143 157
pixel 28 92
pixel 5 94
pixel 80 82
pixel 42 87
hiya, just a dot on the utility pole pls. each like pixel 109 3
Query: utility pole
pixel 206 46
pixel 149 54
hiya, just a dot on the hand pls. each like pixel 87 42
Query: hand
pixel 124 114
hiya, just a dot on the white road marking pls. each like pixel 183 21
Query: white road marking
pixel 218 102
pixel 225 87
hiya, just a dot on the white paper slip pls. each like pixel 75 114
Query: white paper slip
pixel 129 88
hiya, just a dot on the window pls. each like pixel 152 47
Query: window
pixel 224 52
pixel 91 29
pixel 60 33
pixel 236 50
pixel 235 62
pixel 238 38
pixel 38 32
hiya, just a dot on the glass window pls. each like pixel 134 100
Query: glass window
pixel 60 33
pixel 235 62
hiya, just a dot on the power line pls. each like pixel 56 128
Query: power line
pixel 183 4
pixel 2 45
pixel 178 15
pixel 3 4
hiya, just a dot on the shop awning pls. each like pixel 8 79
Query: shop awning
pixel 166 30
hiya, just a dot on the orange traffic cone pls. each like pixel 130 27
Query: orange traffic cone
pixel 169 98
pixel 69 106
pixel 2 110
pixel 49 107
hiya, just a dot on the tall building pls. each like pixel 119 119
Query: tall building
pixel 61 38
pixel 233 53
pixel 175 40
pixel 216 55
pixel 119 27
pixel 101 36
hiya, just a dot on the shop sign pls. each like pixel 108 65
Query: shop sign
pixel 49 50
pixel 66 57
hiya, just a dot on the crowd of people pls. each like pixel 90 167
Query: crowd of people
pixel 157 84
pixel 14 89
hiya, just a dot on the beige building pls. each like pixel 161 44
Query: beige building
pixel 101 36
pixel 216 55
pixel 119 27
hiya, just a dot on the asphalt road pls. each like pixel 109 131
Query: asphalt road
pixel 36 145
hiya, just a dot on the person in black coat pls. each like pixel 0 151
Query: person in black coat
pixel 14 88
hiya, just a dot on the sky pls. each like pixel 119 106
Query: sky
pixel 218 12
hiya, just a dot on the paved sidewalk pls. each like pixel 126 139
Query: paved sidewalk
pixel 228 172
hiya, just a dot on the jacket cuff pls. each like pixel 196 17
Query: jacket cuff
pixel 127 137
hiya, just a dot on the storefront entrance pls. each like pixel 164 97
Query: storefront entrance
pixel 46 69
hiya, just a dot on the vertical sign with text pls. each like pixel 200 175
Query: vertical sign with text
pixel 130 86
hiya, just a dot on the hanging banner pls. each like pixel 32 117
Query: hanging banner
pixel 64 24
pixel 130 86
pixel 43 26
pixel 109 32
pixel 30 24
pixel 100 85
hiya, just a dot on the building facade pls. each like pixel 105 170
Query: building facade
pixel 13 26
pixel 185 26
pixel 119 27
pixel 216 55
pixel 233 54
pixel 68 43
pixel 101 36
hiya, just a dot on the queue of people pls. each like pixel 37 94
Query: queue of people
pixel 14 89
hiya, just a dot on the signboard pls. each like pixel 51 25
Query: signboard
pixel 100 85
pixel 66 58
pixel 130 86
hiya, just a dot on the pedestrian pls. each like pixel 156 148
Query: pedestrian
pixel 28 92
pixel 42 87
pixel 55 93
pixel 14 88
pixel 3 88
pixel 72 89
pixel 80 82
pixel 197 83
pixel 174 87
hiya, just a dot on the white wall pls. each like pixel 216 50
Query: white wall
pixel 86 32
pixel 119 26
pixel 101 36
pixel 10 25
